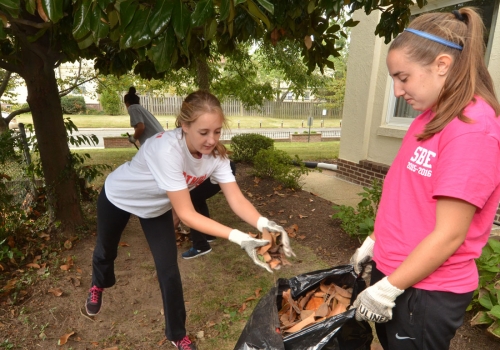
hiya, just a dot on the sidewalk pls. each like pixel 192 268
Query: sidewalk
pixel 325 184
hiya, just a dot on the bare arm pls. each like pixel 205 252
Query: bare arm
pixel 239 204
pixel 181 202
pixel 453 218
pixel 138 130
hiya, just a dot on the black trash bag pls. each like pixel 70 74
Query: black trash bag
pixel 340 332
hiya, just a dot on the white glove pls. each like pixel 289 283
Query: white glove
pixel 375 303
pixel 131 139
pixel 250 245
pixel 362 256
pixel 271 226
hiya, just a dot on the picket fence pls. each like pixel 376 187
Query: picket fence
pixel 232 107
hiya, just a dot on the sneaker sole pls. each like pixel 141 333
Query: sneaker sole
pixel 198 255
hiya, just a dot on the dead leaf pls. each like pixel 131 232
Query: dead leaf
pixel 257 292
pixel 242 308
pixel 41 12
pixel 64 339
pixel 301 237
pixel 65 267
pixel 68 244
pixel 163 341
pixel 302 216
pixel 55 291
pixel 123 244
pixel 44 236
pixel 281 211
pixel 308 41
pixel 33 265
pixel 112 348
pixel 10 242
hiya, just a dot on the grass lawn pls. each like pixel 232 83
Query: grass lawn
pixel 247 122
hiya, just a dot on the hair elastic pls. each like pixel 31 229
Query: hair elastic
pixel 458 15
pixel 434 38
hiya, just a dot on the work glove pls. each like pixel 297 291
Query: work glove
pixel 250 245
pixel 131 139
pixel 271 226
pixel 375 303
pixel 361 258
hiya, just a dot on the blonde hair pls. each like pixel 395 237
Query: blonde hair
pixel 468 74
pixel 196 104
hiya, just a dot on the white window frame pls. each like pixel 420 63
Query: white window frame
pixel 398 122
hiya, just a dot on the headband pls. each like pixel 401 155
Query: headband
pixel 434 38
pixel 458 15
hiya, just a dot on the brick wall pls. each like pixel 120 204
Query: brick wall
pixel 118 142
pixel 365 171
pixel 361 173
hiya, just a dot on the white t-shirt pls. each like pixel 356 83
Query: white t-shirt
pixel 162 164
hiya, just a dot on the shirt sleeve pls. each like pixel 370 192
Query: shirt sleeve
pixel 222 173
pixel 467 168
pixel 136 116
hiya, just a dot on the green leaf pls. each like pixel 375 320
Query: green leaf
pixel 98 24
pixel 11 6
pixel 162 50
pixel 3 35
pixel 495 311
pixel 81 24
pixel 204 10
pixel 481 318
pixel 494 330
pixel 485 301
pixel 181 19
pixel 255 12
pixel 237 2
pixel 53 9
pixel 311 6
pixel 88 41
pixel 333 29
pixel 127 12
pixel 210 30
pixel 495 245
pixel 351 23
pixel 31 6
pixel 267 5
pixel 137 33
pixel 162 13
pixel 225 5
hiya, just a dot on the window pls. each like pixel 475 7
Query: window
pixel 399 112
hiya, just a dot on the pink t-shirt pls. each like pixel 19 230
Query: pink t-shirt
pixel 462 161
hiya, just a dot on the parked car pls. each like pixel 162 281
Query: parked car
pixel 13 122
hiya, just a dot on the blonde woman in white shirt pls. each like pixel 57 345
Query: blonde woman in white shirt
pixel 157 180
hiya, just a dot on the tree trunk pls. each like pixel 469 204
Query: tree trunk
pixel 202 73
pixel 60 178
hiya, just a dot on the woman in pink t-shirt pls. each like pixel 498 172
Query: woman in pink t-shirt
pixel 441 193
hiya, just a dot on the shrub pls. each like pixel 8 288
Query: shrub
pixel 488 291
pixel 73 105
pixel 246 146
pixel 278 165
pixel 111 102
pixel 360 221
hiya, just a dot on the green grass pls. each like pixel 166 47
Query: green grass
pixel 247 122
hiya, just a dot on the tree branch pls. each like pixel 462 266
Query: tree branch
pixel 5 82
pixel 71 88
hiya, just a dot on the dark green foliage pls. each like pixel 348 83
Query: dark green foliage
pixel 111 102
pixel 280 166
pixel 487 295
pixel 73 105
pixel 360 221
pixel 246 146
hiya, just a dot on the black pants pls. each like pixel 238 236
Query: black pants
pixel 421 319
pixel 160 234
pixel 199 198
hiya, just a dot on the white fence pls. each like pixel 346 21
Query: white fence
pixel 232 107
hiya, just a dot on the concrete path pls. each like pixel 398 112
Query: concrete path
pixel 325 184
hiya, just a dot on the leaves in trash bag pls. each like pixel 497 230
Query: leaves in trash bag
pixel 326 300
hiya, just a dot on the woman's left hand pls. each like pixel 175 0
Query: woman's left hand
pixel 271 226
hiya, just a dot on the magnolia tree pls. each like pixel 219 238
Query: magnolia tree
pixel 154 38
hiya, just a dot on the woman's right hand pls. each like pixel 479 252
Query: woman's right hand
pixel 250 245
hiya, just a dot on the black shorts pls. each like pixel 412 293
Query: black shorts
pixel 422 319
